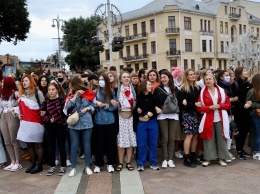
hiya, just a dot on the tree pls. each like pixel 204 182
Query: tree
pixel 14 22
pixel 245 50
pixel 78 33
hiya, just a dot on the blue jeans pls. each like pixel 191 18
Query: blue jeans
pixel 147 133
pixel 256 125
pixel 85 134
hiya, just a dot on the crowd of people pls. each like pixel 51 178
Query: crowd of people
pixel 106 116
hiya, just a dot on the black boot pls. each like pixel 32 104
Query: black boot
pixel 188 162
pixel 194 158
pixel 38 168
pixel 29 169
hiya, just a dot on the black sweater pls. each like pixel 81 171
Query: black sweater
pixel 147 104
pixel 191 98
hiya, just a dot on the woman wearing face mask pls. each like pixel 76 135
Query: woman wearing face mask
pixel 104 120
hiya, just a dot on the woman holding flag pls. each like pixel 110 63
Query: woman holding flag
pixel 31 129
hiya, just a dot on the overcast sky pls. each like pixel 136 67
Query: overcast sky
pixel 40 43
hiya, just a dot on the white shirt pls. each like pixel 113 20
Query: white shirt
pixel 162 116
pixel 215 101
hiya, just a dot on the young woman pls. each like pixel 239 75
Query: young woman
pixel 153 78
pixel 177 74
pixel 2 154
pixel 253 104
pixel 169 125
pixel 93 82
pixel 113 79
pixel 55 128
pixel 214 126
pixel 43 83
pixel 147 129
pixel 80 99
pixel 31 129
pixel 242 115
pixel 189 93
pixel 9 122
pixel 105 129
pixel 126 138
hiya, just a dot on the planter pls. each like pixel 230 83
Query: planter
pixel 98 48
pixel 96 42
pixel 117 47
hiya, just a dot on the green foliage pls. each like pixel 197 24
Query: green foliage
pixel 76 40
pixel 14 22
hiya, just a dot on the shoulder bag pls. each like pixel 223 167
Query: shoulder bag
pixel 170 104
pixel 126 113
pixel 74 117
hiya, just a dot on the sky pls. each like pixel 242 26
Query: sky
pixel 40 43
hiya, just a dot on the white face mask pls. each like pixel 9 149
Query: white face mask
pixel 101 83
pixel 227 79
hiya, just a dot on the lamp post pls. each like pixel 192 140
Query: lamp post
pixel 59 23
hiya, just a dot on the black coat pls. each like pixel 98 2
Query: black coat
pixel 191 98
pixel 147 104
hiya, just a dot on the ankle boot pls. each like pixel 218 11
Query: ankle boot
pixel 30 168
pixel 38 168
pixel 194 158
pixel 187 162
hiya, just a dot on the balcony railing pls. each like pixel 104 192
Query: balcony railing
pixel 170 31
pixel 222 55
pixel 136 58
pixel 207 55
pixel 234 16
pixel 173 53
pixel 136 37
pixel 209 33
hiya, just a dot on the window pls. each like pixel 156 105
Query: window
pixel 136 49
pixel 225 65
pixel 144 45
pixel 227 44
pixel 221 27
pixel 171 22
pixel 219 64
pixel 143 27
pixel 252 29
pixel 231 10
pixel 208 26
pixel 187 23
pixel 128 65
pixel 226 10
pixel 128 51
pixel 235 10
pixel 135 29
pixel 154 66
pixel 172 45
pixel 121 67
pixel 204 64
pixel 257 32
pixel 153 48
pixel 205 25
pixel 201 25
pixel 210 63
pixel 145 65
pixel 240 28
pixel 192 64
pixel 121 54
pixel 107 55
pixel 210 45
pixel 173 63
pixel 204 46
pixel 127 31
pixel 185 63
pixel 188 45
pixel 222 46
pixel 226 28
pixel 136 67
pixel 152 26
pixel 239 12
pixel 244 28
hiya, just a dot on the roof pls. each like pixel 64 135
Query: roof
pixel 252 19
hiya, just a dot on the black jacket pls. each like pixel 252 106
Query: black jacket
pixel 147 104
pixel 191 98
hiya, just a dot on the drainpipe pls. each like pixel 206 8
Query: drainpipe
pixel 156 39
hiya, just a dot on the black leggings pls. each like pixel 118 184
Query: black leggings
pixel 36 152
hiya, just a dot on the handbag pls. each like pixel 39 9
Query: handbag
pixel 144 119
pixel 257 111
pixel 232 124
pixel 126 113
pixel 170 104
pixel 73 118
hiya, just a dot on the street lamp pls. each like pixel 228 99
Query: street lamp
pixel 59 23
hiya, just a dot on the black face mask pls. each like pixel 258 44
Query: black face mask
pixel 85 83
pixel 60 79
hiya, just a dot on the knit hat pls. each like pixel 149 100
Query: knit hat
pixel 92 76
pixel 176 71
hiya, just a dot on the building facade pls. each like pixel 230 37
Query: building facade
pixel 186 33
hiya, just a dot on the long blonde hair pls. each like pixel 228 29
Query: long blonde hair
pixel 185 82
pixel 115 82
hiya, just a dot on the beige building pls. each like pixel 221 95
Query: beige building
pixel 9 59
pixel 187 33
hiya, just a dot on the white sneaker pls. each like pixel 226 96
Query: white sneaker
pixel 256 156
pixel 88 171
pixel 16 167
pixel 228 161
pixel 9 167
pixel 57 162
pixel 82 157
pixel 178 154
pixel 164 164
pixel 72 172
pixel 110 168
pixel 68 163
pixel 232 156
pixel 222 163
pixel 96 169
pixel 171 164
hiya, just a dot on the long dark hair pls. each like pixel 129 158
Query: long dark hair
pixel 238 73
pixel 220 74
pixel 256 86
pixel 107 89
pixel 77 84
pixel 171 84
pixel 40 79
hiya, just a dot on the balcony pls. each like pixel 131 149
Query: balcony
pixel 132 38
pixel 207 33
pixel 143 57
pixel 172 31
pixel 222 55
pixel 234 16
pixel 173 53
pixel 207 55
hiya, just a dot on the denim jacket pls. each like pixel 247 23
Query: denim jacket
pixel 85 120
pixel 105 115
